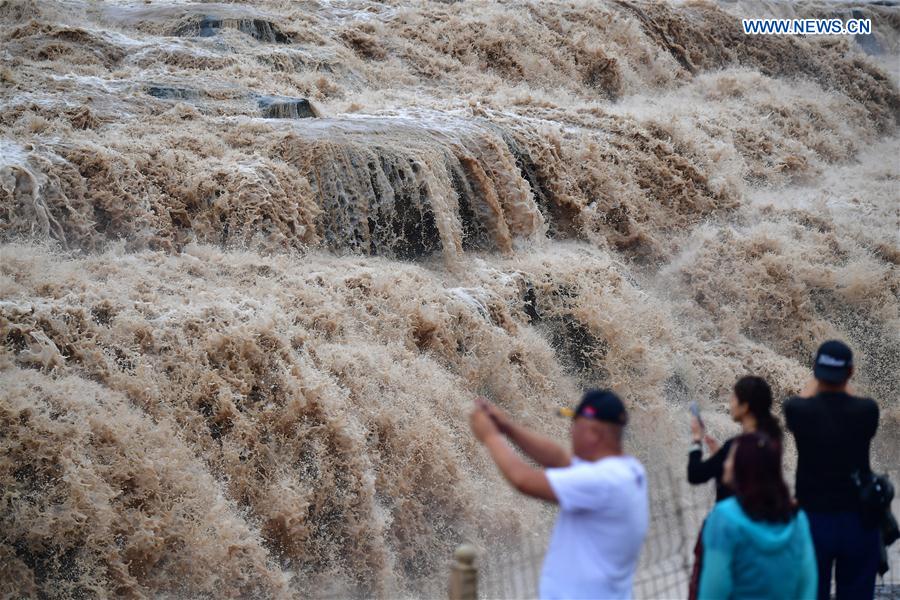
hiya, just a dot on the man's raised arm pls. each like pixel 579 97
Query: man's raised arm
pixel 539 448
pixel 529 480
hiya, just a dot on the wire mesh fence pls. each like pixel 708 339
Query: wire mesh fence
pixel 513 574
pixel 677 511
pixel 888 587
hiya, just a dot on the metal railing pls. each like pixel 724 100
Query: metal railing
pixel 677 511
pixel 888 587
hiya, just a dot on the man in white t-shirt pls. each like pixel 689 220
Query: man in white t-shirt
pixel 601 492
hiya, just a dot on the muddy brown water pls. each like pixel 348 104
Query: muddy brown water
pixel 238 343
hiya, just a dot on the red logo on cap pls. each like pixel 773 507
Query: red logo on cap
pixel 589 411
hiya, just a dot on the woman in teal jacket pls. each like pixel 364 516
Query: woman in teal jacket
pixel 757 544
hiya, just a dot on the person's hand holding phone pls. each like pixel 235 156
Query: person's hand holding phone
pixel 697 427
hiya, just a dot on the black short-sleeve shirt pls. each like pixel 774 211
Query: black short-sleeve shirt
pixel 833 431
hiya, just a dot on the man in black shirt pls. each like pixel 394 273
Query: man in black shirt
pixel 834 431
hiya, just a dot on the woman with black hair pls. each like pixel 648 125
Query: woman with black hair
pixel 757 544
pixel 751 406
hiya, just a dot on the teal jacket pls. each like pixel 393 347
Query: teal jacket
pixel 743 558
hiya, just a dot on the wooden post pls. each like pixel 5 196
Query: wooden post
pixel 463 574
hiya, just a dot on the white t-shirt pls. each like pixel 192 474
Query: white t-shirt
pixel 601 525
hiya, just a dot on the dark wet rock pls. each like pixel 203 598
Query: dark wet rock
pixel 677 390
pixel 407 224
pixel 529 303
pixel 582 352
pixel 868 42
pixel 274 107
pixel 578 348
pixel 172 93
pixel 260 29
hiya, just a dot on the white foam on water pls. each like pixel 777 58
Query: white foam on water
pixel 238 352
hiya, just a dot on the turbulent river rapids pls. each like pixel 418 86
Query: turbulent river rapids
pixel 256 261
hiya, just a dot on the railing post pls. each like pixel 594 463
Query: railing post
pixel 463 574
pixel 684 535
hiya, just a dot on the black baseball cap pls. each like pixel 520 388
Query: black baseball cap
pixel 602 405
pixel 834 359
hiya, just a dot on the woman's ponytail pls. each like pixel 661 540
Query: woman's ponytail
pixel 768 424
pixel 757 395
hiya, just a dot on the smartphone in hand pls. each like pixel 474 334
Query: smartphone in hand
pixel 695 411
